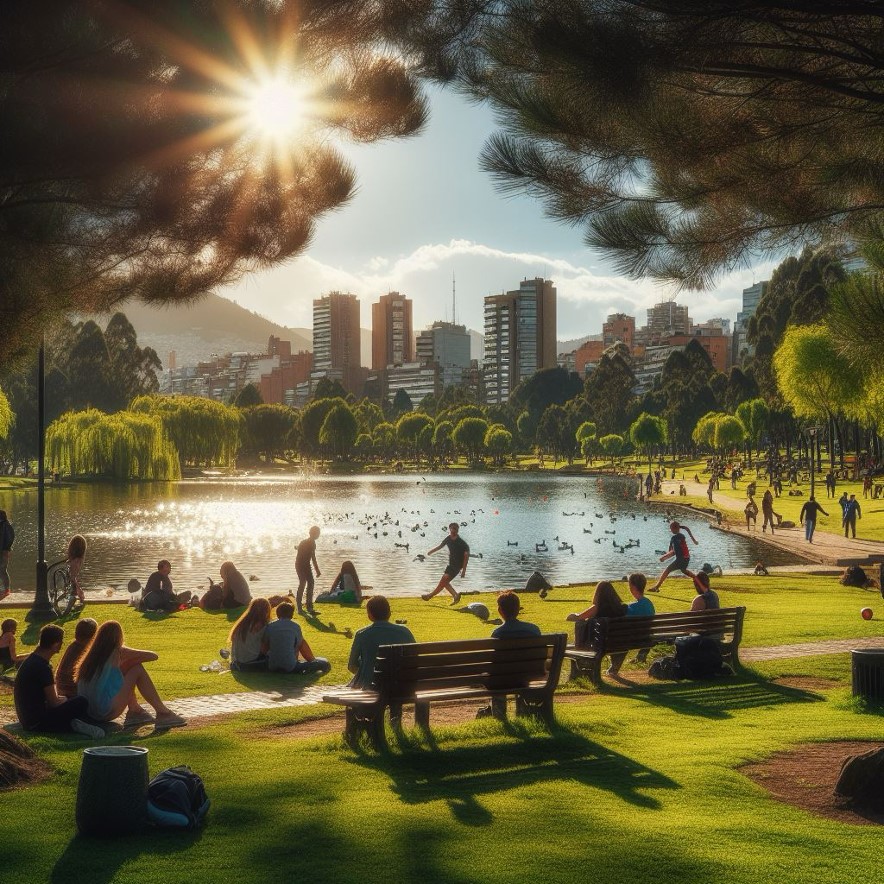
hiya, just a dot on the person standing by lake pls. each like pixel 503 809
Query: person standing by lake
pixel 75 558
pixel 809 512
pixel 7 538
pixel 458 556
pixel 305 563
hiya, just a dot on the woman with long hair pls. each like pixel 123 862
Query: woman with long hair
pixel 605 603
pixel 247 651
pixel 75 557
pixel 346 587
pixel 108 674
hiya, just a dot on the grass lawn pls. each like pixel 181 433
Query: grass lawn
pixel 639 783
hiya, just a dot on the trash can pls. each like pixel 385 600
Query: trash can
pixel 868 673
pixel 112 793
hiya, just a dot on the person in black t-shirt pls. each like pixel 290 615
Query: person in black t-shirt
pixel 458 556
pixel 809 513
pixel 305 562
pixel 37 704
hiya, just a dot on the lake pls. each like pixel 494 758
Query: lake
pixel 591 529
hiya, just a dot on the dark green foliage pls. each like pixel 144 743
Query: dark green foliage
pixel 248 396
pixel 339 430
pixel 326 388
pixel 550 386
pixel 608 390
pixel 401 403
pixel 268 430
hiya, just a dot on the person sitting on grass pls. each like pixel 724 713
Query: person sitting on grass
pixel 8 656
pixel 37 704
pixel 108 675
pixel 345 587
pixel 65 682
pixel 508 606
pixel 247 650
pixel 380 631
pixel 706 598
pixel 678 548
pixel 285 642
pixel 232 592
pixel 158 594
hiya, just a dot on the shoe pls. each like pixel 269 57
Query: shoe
pixel 653 589
pixel 171 720
pixel 426 596
pixel 456 598
pixel 542 593
pixel 78 726
pixel 300 611
pixel 224 654
pixel 137 718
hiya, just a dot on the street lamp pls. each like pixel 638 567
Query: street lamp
pixel 41 607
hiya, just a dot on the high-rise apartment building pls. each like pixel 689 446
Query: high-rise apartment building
pixel 520 336
pixel 751 298
pixel 448 345
pixel 619 327
pixel 337 348
pixel 669 318
pixel 392 334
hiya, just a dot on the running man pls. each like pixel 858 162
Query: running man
pixel 458 556
pixel 678 547
pixel 305 563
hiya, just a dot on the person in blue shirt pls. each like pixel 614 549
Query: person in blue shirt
pixel 508 606
pixel 642 606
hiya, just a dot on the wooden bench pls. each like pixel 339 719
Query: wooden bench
pixel 607 635
pixel 528 668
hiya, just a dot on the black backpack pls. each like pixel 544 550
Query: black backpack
pixel 176 798
pixel 698 657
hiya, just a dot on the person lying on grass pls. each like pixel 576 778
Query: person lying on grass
pixel 108 675
pixel 284 643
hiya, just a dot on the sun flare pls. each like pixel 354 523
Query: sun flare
pixel 276 108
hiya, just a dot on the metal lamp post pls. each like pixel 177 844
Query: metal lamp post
pixel 41 607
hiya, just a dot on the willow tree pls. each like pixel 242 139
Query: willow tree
pixel 469 437
pixel 205 433
pixel 815 378
pixel 648 433
pixel 7 418
pixel 124 446
pixel 339 430
pixel 267 429
pixel 753 415
pixel 499 443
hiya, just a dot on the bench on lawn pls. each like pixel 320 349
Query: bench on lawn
pixel 528 668
pixel 607 635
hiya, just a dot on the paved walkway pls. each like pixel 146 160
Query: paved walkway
pixel 310 695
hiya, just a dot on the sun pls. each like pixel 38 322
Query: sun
pixel 276 108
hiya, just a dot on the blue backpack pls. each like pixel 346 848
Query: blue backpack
pixel 176 798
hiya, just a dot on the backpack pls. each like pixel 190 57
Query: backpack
pixel 854 575
pixel 698 657
pixel 176 798
pixel 663 668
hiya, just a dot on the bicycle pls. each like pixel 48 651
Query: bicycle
pixel 60 584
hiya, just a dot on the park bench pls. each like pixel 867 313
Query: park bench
pixel 607 635
pixel 420 674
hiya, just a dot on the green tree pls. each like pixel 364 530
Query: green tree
pixel 339 430
pixel 326 388
pixel 608 390
pixel 384 436
pixel 248 396
pixel 469 437
pixel 268 429
pixel 683 136
pixel 612 445
pixel 754 416
pixel 140 175
pixel 364 446
pixel 368 415
pixel 401 403
pixel 442 442
pixel 586 435
pixel 409 428
pixel 313 416
pixel 7 418
pixel 648 433
pixel 729 433
pixel 499 443
pixel 549 386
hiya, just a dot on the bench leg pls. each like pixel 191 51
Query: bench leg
pixel 370 720
pixel 376 731
pixel 422 715
pixel 536 705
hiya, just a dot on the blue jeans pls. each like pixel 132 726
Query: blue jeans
pixel 809 525
pixel 305 667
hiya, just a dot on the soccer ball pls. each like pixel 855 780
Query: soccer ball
pixel 867 613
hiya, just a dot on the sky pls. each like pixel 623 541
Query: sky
pixel 424 212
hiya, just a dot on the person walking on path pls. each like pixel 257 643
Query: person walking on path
pixel 678 551
pixel 768 511
pixel 830 484
pixel 809 512
pixel 458 556
pixel 751 513
pixel 7 538
pixel 852 512
pixel 305 563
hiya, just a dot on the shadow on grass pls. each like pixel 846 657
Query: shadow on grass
pixel 717 699
pixel 99 860
pixel 287 685
pixel 421 772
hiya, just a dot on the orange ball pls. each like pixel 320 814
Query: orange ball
pixel 867 613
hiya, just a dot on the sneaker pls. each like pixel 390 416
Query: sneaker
pixel 137 718
pixel 78 726
pixel 653 589
pixel 224 654
pixel 426 596
pixel 456 598
pixel 170 719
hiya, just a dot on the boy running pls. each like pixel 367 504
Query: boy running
pixel 678 548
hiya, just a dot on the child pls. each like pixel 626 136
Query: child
pixel 8 657
pixel 678 548
pixel 65 683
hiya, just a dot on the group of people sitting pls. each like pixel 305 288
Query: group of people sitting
pixel 98 679
pixel 159 595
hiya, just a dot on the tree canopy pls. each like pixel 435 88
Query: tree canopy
pixel 130 165
pixel 684 135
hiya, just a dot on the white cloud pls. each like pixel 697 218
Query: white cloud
pixel 586 294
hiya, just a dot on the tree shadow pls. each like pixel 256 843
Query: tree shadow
pixel 717 699
pixel 278 685
pixel 98 860
pixel 459 775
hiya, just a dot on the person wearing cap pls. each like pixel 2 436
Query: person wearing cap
pixel 706 598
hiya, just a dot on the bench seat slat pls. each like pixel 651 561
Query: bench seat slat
pixel 468 645
pixel 541 652
pixel 475 670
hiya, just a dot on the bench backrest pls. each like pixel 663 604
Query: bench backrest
pixel 489 663
pixel 625 633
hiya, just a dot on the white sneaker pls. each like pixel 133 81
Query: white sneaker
pixel 78 726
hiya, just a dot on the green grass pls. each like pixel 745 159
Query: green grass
pixel 639 783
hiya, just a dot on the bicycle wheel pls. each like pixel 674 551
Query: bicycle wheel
pixel 61 590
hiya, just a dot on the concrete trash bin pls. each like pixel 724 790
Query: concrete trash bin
pixel 867 666
pixel 112 792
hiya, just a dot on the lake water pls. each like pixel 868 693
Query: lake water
pixel 380 522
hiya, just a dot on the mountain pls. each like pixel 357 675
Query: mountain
pixel 212 325
pixel 574 343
